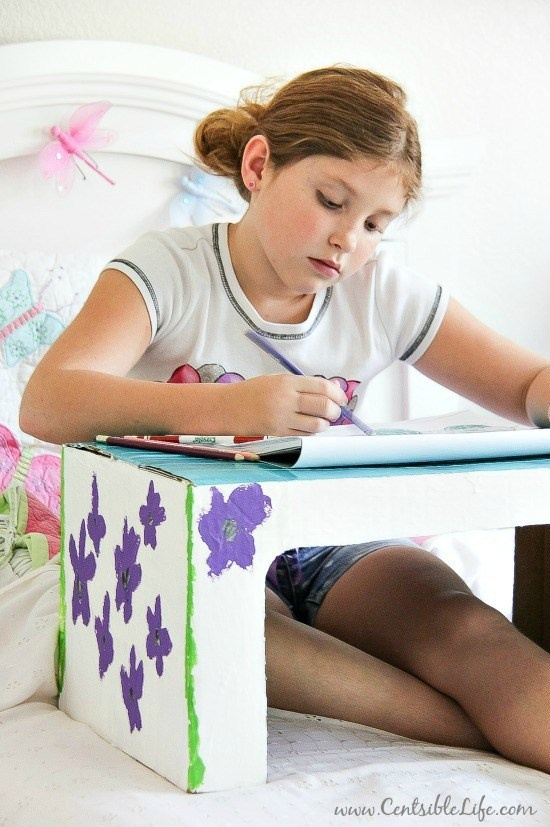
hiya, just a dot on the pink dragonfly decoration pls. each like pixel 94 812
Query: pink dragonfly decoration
pixel 57 157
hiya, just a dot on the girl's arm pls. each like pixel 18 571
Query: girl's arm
pixel 480 364
pixel 80 389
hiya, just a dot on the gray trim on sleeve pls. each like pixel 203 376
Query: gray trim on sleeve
pixel 422 335
pixel 241 312
pixel 145 280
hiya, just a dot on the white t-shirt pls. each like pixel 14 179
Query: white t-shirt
pixel 199 316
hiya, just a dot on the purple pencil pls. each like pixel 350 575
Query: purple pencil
pixel 265 345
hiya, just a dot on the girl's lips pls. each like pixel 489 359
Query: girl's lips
pixel 323 268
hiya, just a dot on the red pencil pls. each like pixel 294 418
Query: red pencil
pixel 211 451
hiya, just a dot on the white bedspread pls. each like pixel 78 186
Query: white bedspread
pixel 56 771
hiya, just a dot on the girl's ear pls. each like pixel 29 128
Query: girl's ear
pixel 255 160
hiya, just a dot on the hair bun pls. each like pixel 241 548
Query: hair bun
pixel 254 110
pixel 221 137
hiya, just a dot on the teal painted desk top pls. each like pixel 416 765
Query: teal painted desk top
pixel 201 471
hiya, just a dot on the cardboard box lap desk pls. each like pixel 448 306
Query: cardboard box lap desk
pixel 162 648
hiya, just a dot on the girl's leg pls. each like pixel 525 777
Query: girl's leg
pixel 409 609
pixel 312 672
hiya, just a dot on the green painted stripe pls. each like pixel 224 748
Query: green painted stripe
pixel 195 773
pixel 62 587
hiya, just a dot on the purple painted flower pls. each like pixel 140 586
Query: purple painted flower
pixel 84 570
pixel 104 637
pixel 158 643
pixel 227 528
pixel 96 523
pixel 132 689
pixel 151 515
pixel 127 570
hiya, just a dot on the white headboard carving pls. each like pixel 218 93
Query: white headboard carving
pixel 158 94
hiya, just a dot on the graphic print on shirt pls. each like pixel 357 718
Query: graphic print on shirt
pixel 187 374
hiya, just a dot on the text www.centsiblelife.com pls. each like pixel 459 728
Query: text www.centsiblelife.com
pixel 440 806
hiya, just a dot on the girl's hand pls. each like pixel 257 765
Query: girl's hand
pixel 282 405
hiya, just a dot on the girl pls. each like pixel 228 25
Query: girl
pixel 381 633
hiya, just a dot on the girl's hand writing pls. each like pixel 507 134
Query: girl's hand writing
pixel 281 405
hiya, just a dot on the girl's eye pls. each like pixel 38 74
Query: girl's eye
pixel 369 225
pixel 325 201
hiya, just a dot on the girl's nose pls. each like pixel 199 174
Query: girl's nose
pixel 345 238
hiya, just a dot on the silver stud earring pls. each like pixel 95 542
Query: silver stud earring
pixel 251 185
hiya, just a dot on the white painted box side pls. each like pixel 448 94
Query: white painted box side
pixel 229 600
pixel 143 511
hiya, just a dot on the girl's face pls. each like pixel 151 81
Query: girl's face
pixel 319 220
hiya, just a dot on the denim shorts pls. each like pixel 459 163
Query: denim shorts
pixel 301 577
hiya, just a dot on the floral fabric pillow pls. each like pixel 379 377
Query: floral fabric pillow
pixel 40 293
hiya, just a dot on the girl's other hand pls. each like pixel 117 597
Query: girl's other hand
pixel 282 405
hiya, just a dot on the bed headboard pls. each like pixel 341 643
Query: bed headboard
pixel 157 97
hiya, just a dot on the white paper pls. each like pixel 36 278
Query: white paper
pixel 466 435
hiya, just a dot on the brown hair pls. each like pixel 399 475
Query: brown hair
pixel 341 111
